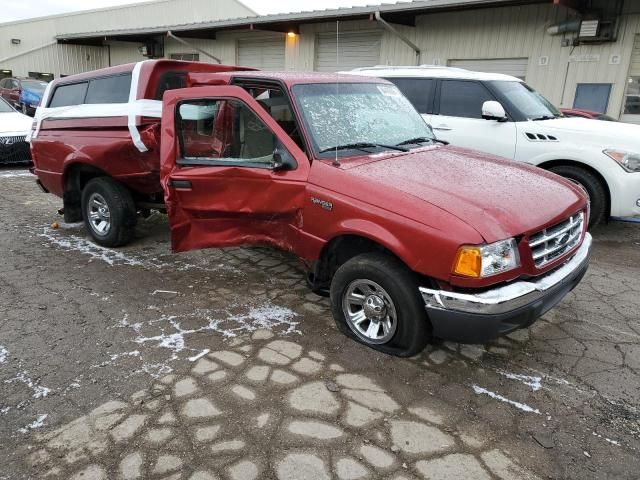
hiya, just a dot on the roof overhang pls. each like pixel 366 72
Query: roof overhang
pixel 399 13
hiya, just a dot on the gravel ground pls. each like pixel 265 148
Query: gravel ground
pixel 136 363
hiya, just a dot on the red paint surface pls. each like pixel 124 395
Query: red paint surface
pixel 421 205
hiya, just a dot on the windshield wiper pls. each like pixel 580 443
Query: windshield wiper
pixel 422 140
pixel 362 146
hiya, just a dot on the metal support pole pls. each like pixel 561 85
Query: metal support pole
pixel 395 32
pixel 184 42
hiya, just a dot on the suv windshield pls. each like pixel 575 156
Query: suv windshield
pixel 35 85
pixel 342 118
pixel 526 100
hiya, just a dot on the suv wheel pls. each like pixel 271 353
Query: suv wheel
pixel 592 185
pixel 109 212
pixel 375 300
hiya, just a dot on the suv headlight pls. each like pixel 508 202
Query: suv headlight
pixel 628 160
pixel 485 260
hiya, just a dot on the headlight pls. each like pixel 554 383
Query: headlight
pixel 485 260
pixel 628 160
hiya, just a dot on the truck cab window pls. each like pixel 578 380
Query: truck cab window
pixel 277 104
pixel 170 81
pixel 223 131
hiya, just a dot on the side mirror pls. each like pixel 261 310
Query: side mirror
pixel 492 110
pixel 282 160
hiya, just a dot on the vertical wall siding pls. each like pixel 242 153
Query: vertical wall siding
pixel 509 32
pixel 35 34
pixel 521 32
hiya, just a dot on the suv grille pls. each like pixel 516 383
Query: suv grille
pixel 14 150
pixel 553 242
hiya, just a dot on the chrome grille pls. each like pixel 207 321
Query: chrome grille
pixel 14 149
pixel 553 242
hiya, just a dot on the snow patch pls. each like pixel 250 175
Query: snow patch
pixel 115 357
pixel 75 243
pixel 15 174
pixel 38 390
pixel 534 382
pixel 199 356
pixel 39 422
pixel 3 354
pixel 521 406
pixel 612 442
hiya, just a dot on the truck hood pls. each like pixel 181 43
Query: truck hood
pixel 597 132
pixel 498 198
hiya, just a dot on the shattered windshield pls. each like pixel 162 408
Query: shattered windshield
pixel 349 118
pixel 530 103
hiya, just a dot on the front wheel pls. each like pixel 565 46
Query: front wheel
pixel 375 300
pixel 109 212
pixel 592 185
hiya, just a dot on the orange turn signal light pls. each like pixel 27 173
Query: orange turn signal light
pixel 468 262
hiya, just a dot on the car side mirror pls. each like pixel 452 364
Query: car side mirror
pixel 282 160
pixel 492 110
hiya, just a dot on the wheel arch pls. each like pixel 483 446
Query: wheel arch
pixel 75 176
pixel 343 247
pixel 547 165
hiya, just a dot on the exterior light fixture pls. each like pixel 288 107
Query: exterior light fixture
pixel 15 41
pixel 291 34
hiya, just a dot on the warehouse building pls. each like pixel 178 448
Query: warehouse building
pixel 578 53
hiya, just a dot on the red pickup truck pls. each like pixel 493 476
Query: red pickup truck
pixel 411 238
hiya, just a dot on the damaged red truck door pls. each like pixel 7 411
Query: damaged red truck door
pixel 231 175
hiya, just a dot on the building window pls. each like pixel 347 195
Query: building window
pixel 45 77
pixel 6 73
pixel 192 57
pixel 592 96
pixel 632 97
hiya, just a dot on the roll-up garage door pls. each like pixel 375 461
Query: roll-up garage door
pixel 516 67
pixel 356 49
pixel 264 53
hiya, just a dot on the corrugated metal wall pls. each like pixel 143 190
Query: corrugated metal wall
pixel 482 34
pixel 36 35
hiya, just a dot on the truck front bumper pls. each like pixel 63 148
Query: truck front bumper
pixel 476 318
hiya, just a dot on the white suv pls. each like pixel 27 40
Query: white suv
pixel 502 115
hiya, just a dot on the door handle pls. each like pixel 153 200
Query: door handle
pixel 443 127
pixel 182 184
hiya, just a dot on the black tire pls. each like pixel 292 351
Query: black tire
pixel 593 186
pixel 121 208
pixel 412 331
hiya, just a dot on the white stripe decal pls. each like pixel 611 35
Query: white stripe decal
pixel 133 96
pixel 131 110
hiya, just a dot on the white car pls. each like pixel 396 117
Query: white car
pixel 14 127
pixel 502 115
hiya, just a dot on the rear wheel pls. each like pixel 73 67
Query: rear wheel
pixel 592 185
pixel 375 300
pixel 109 212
